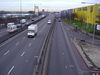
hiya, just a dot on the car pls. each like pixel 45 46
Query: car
pixel 59 20
pixel 32 19
pixel 49 21
pixel 19 25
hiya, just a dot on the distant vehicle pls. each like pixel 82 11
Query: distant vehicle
pixel 32 30
pixel 27 23
pixel 49 22
pixel 11 27
pixel 43 16
pixel 19 25
pixel 59 20
pixel 22 21
pixel 32 19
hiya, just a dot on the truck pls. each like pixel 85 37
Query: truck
pixel 11 27
pixel 32 30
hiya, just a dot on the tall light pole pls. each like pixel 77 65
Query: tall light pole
pixel 21 11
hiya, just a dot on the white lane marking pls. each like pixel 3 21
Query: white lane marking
pixel 17 43
pixel 6 52
pixel 10 70
pixel 63 53
pixel 71 66
pixel 22 53
pixel 66 67
pixel 30 44
pixel 35 56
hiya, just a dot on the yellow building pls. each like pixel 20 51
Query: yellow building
pixel 88 14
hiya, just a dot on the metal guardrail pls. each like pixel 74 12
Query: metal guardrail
pixel 42 62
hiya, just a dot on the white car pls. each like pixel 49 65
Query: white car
pixel 49 21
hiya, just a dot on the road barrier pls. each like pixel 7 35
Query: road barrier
pixel 42 61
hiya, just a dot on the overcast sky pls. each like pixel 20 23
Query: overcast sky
pixel 14 5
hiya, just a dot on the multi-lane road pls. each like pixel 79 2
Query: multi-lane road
pixel 17 55
pixel 64 58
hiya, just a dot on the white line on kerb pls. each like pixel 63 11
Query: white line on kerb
pixel 22 53
pixel 6 52
pixel 10 70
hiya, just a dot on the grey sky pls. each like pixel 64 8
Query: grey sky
pixel 13 5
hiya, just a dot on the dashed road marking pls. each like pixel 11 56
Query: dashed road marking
pixel 63 53
pixel 71 66
pixel 10 70
pixel 6 52
pixel 22 53
pixel 66 67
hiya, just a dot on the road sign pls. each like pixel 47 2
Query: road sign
pixel 98 27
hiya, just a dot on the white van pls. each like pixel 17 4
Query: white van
pixel 32 30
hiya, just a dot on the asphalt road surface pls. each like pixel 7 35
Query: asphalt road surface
pixel 64 58
pixel 4 32
pixel 17 55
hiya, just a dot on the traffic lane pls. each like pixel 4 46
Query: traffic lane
pixel 46 20
pixel 61 60
pixel 3 32
pixel 28 59
pixel 9 66
pixel 33 52
pixel 16 40
pixel 6 49
pixel 21 62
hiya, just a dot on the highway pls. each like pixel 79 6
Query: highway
pixel 64 58
pixel 17 54
pixel 3 32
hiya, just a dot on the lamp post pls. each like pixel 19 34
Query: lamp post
pixel 21 11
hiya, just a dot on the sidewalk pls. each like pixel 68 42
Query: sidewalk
pixel 80 35
pixel 90 53
pixel 89 49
